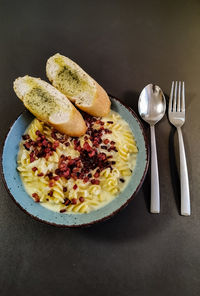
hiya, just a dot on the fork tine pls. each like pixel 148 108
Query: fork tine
pixel 183 97
pixel 175 96
pixel 179 97
pixel 171 97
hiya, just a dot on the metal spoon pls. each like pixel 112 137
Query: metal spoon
pixel 151 106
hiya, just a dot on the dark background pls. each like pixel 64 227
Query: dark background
pixel 124 45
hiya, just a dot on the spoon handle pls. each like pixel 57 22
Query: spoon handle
pixel 155 191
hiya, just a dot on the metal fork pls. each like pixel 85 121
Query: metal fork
pixel 176 114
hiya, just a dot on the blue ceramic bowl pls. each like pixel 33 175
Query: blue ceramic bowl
pixel 35 210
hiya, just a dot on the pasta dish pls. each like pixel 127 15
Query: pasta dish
pixel 77 175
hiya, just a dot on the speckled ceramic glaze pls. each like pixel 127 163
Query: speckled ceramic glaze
pixel 22 199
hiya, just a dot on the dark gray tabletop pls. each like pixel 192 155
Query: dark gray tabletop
pixel 124 45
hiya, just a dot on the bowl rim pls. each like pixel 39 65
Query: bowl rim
pixel 147 149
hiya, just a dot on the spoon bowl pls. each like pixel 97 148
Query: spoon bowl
pixel 151 104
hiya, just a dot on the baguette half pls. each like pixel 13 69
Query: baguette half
pixel 77 85
pixel 49 105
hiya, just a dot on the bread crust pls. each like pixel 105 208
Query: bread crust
pixel 73 126
pixel 100 105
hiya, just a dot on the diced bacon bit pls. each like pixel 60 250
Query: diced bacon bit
pixel 53 134
pixel 96 144
pixel 67 144
pixel 77 145
pixel 75 170
pixel 113 162
pixel 81 199
pixel 91 154
pixel 45 143
pixel 26 137
pixel 78 148
pixel 74 201
pixel 85 138
pixel 107 131
pixel 27 146
pixel 32 159
pixel 50 175
pixel 96 182
pixel 112 143
pixel 56 178
pixel 62 210
pixel 81 175
pixel 85 180
pixel 106 141
pixel 114 149
pixel 75 186
pixel 62 158
pixel 111 122
pixel 74 176
pixel 122 180
pixel 55 145
pixel 34 169
pixel 40 174
pixel 67 201
pixel 57 172
pixel 38 133
pixel 47 150
pixel 87 147
pixel 79 164
pixel 104 147
pixel 38 139
pixel 66 173
pixel 102 156
pixel 71 162
pixel 96 175
pixel 51 183
pixel 50 193
pixel 31 154
pixel 36 197
pixel 61 140
pixel 98 121
pixel 64 189
pixel 63 166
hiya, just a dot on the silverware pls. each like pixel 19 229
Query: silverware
pixel 176 113
pixel 152 106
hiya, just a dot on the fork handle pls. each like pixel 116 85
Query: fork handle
pixel 155 191
pixel 185 193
